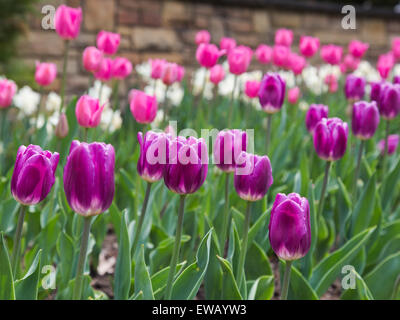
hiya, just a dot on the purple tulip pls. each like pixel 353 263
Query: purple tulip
pixel 365 119
pixel 228 146
pixel 272 92
pixel 396 80
pixel 389 101
pixel 253 176
pixel 289 226
pixel 354 87
pixel 153 155
pixel 376 91
pixel 314 114
pixel 89 177
pixel 330 138
pixel 187 165
pixel 34 174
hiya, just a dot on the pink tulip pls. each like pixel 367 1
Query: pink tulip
pixel 207 55
pixel 357 48
pixel 396 48
pixel 121 68
pixel 293 95
pixel 350 63
pixel 180 73
pixel 68 22
pixel 104 71
pixel 296 63
pixel 393 142
pixel 7 91
pixel 91 59
pixel 157 67
pixel 280 56
pixel 203 36
pixel 217 74
pixel 308 46
pixel 170 73
pixel 251 88
pixel 385 64
pixel 88 111
pixel 264 54
pixel 284 37
pixel 227 44
pixel 332 83
pixel 108 42
pixel 331 54
pixel 239 59
pixel 143 106
pixel 45 73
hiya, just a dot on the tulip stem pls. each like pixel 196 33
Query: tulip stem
pixel 38 108
pixel 225 217
pixel 323 190
pixel 286 279
pixel 17 240
pixel 175 254
pixel 141 218
pixel 357 172
pixel 64 77
pixel 243 250
pixel 385 151
pixel 232 101
pixel 268 136
pixel 165 104
pixel 77 294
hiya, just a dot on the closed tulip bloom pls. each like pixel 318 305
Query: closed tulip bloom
pixel 284 37
pixel 62 127
pixel 239 59
pixel 308 46
pixel 91 59
pixel 153 155
pixel 389 101
pixel 227 44
pixel 293 95
pixel 121 68
pixel 296 63
pixel 143 106
pixel 170 73
pixel 263 54
pixel 108 42
pixel 203 36
pixel 375 93
pixel 354 87
pixel 385 64
pixel 68 22
pixel 357 48
pixel 280 56
pixel 365 119
pixel 157 67
pixel 251 88
pixel 217 74
pixel 314 114
pixel 187 166
pixel 45 73
pixel 393 142
pixel 289 226
pixel 103 73
pixel 272 92
pixel 331 54
pixel 350 63
pixel 227 148
pixel 330 138
pixel 396 47
pixel 34 174
pixel 7 91
pixel 88 111
pixel 180 73
pixel 253 176
pixel 332 82
pixel 207 55
pixel 89 177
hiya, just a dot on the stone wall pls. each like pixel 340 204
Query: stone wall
pixel 157 28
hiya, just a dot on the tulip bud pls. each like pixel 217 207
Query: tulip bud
pixel 289 226
pixel 143 106
pixel 253 176
pixel 314 114
pixel 330 138
pixel 45 73
pixel 389 101
pixel 393 142
pixel 375 91
pixel 227 44
pixel 7 91
pixel 180 73
pixel 227 148
pixel 108 42
pixel 91 59
pixel 89 177
pixel 350 63
pixel 280 56
pixel 396 48
pixel 187 166
pixel 88 111
pixel 157 67
pixel 272 92
pixel 34 174
pixel 331 54
pixel 385 64
pixel 251 88
pixel 170 73
pixel 293 95
pixel 62 127
pixel 203 36
pixel 308 46
pixel 354 87
pixel 284 37
pixel 103 73
pixel 207 55
pixel 217 74
pixel 365 119
pixel 264 54
pixel 154 149
pixel 332 82
pixel 239 59
pixel 68 22
pixel 121 68
pixel 357 48
pixel 296 63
